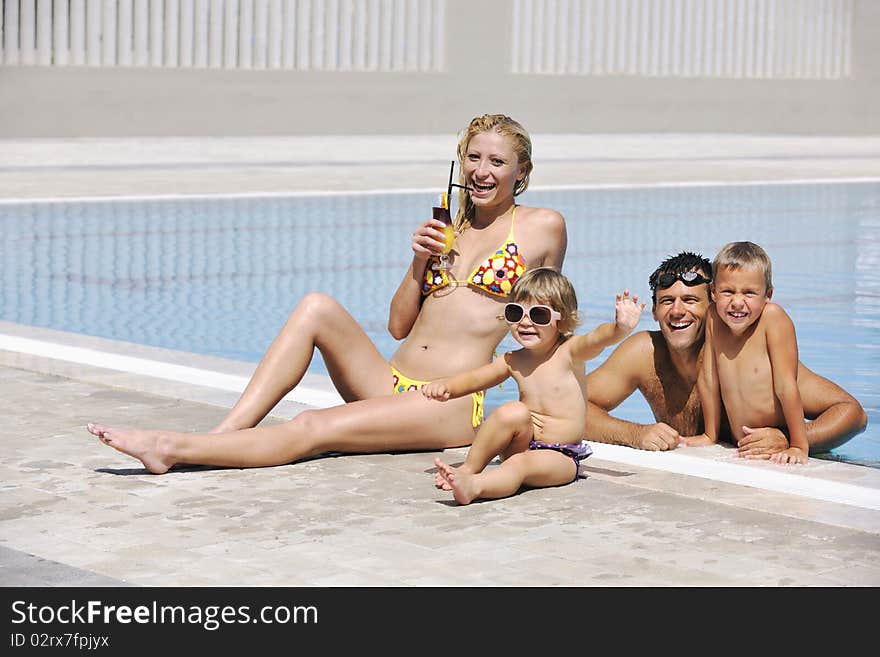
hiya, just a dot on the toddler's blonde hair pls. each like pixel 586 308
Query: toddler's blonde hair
pixel 548 286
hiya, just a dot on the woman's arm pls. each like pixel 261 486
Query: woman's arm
pixel 407 300
pixel 551 228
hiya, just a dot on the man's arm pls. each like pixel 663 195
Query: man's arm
pixel 835 417
pixel 611 383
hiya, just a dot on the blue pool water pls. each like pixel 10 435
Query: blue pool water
pixel 219 275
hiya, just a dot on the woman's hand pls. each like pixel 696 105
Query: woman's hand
pixel 428 239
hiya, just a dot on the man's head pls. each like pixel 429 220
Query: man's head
pixel 680 298
pixel 742 284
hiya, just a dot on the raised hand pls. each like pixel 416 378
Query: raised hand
pixel 627 311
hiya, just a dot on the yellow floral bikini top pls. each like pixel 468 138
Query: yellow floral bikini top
pixel 496 275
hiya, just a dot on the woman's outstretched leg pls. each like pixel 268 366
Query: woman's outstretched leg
pixel 356 367
pixel 381 424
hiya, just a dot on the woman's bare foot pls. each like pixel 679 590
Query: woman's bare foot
pixel 461 483
pixel 149 447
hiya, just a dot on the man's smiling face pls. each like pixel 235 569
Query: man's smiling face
pixel 681 312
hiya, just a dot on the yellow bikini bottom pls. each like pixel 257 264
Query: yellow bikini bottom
pixel 403 383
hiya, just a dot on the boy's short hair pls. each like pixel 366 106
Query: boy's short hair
pixel 548 286
pixel 677 265
pixel 744 255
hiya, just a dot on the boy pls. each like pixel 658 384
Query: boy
pixel 750 362
pixel 540 436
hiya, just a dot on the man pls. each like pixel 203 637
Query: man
pixel 663 366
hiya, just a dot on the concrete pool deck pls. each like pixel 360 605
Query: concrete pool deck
pixel 75 512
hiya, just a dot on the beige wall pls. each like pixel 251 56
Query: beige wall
pixel 111 102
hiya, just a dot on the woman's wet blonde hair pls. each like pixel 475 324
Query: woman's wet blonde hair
pixel 522 146
pixel 546 285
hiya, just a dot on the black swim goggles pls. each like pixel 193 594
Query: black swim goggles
pixel 689 278
pixel 539 315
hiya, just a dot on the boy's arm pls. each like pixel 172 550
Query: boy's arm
pixel 783 352
pixel 465 383
pixel 835 417
pixel 709 388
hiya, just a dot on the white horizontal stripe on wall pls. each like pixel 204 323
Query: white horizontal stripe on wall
pixel 798 39
pixel 316 35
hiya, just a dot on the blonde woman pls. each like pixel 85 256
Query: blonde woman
pixel 446 318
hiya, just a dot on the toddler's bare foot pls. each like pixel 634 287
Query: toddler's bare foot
pixel 440 482
pixel 460 482
pixel 146 446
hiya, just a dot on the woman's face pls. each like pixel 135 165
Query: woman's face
pixel 492 168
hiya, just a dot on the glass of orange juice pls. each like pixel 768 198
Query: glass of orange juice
pixel 441 213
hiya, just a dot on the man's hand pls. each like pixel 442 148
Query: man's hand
pixel 656 438
pixel 761 443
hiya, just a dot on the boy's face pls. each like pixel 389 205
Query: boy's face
pixel 740 297
pixel 532 335
pixel 680 310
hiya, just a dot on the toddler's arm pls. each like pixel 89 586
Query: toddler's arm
pixel 627 312
pixel 467 382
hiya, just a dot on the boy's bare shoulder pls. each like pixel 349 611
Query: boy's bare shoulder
pixel 775 314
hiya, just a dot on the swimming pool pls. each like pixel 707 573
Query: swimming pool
pixel 219 275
